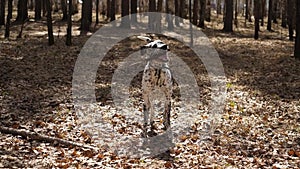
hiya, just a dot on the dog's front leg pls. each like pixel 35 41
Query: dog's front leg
pixel 167 110
pixel 146 108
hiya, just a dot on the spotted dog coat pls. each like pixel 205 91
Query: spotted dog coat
pixel 156 75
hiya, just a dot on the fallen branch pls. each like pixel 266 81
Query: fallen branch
pixel 40 137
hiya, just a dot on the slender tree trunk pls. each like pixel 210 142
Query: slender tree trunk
pixel 250 10
pixel 22 14
pixel 236 13
pixel 69 29
pixel 176 6
pixel 97 11
pixel 169 17
pixel 2 12
pixel 219 8
pixel 256 15
pixel 297 41
pixel 151 19
pixel 8 18
pixel 113 10
pixel 108 9
pixel 228 16
pixel 125 22
pixel 275 11
pixel 208 11
pixel 64 10
pixel 284 14
pixel 247 10
pixel 75 7
pixel 202 13
pixel 290 13
pixel 133 10
pixel 270 14
pixel 49 23
pixel 85 16
pixel 195 12
pixel 38 10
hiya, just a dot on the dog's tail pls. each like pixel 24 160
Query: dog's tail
pixel 145 38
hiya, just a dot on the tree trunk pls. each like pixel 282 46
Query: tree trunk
pixel 75 7
pixel 85 16
pixel 69 29
pixel 9 16
pixel 2 12
pixel 262 12
pixel 202 13
pixel 297 41
pixel 290 13
pixel 250 10
pixel 176 6
pixel 256 15
pixel 284 14
pixel 125 22
pixel 236 13
pixel 208 11
pixel 38 10
pixel 113 10
pixel 133 11
pixel 228 16
pixel 219 8
pixel 151 19
pixel 247 10
pixel 49 23
pixel 270 15
pixel 22 14
pixel 97 11
pixel 275 11
pixel 108 9
pixel 195 12
pixel 169 17
pixel 64 10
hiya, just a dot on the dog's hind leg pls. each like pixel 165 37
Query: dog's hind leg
pixel 167 109
pixel 146 109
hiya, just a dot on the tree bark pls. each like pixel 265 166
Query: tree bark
pixel 2 12
pixel 97 11
pixel 250 10
pixel 69 29
pixel 133 8
pixel 290 13
pixel 247 10
pixel 49 23
pixel 195 12
pixel 202 13
pixel 297 41
pixel 125 22
pixel 228 16
pixel 284 14
pixel 219 8
pixel 8 18
pixel 85 16
pixel 270 15
pixel 113 10
pixel 176 6
pixel 256 15
pixel 64 10
pixel 22 14
pixel 208 11
pixel 38 10
pixel 169 17
pixel 275 11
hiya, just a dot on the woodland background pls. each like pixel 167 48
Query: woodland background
pixel 258 43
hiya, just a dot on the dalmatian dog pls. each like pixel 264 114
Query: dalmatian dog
pixel 156 76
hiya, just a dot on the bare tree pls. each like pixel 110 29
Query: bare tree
pixel 64 10
pixel 113 10
pixel 297 41
pixel 8 18
pixel 195 12
pixel 228 16
pixel 202 13
pixel 86 16
pixel 133 10
pixel 290 15
pixel 49 23
pixel 257 16
pixel 2 12
pixel 125 22
pixel 284 14
pixel 169 17
pixel 270 15
pixel 69 29
pixel 22 14
pixel 38 10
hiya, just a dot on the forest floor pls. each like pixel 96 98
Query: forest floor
pixel 259 127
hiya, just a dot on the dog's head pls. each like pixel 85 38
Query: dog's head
pixel 156 50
